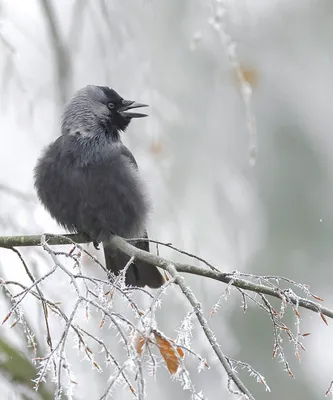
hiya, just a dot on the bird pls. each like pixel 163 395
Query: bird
pixel 89 181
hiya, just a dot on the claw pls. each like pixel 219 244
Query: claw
pixel 96 244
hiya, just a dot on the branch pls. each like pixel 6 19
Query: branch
pixel 61 55
pixel 35 240
pixel 96 298
pixel 232 375
pixel 17 193
pixel 121 244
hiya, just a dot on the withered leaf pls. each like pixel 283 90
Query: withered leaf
pixel 324 318
pixel 6 318
pixel 139 342
pixel 167 350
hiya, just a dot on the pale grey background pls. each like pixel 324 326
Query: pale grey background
pixel 193 150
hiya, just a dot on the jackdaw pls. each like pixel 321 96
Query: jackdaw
pixel 89 181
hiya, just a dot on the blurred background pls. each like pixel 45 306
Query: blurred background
pixel 245 196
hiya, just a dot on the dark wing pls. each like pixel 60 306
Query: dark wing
pixel 139 273
pixel 125 152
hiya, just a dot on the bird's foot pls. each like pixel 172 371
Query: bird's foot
pixel 96 244
pixel 89 239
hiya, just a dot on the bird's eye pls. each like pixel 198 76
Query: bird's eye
pixel 111 106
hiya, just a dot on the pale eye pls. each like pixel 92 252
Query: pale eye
pixel 111 106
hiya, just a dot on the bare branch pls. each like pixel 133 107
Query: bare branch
pixel 122 245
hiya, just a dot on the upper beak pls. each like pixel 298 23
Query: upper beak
pixel 128 105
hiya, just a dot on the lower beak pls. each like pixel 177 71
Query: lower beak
pixel 129 105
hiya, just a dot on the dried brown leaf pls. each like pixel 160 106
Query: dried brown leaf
pixel 96 365
pixel 6 318
pixel 274 351
pixel 285 328
pixel 275 313
pixel 14 323
pixel 139 342
pixel 302 347
pixel 180 352
pixel 324 318
pixel 167 350
pixel 290 373
pixel 132 389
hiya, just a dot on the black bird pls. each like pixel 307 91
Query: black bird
pixel 89 181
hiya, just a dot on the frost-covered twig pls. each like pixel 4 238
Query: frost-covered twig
pixel 208 332
pixel 122 245
pixel 98 294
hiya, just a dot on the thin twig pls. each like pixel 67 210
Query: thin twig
pixel 208 332
pixel 122 245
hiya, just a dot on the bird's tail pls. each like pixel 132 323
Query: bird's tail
pixel 139 273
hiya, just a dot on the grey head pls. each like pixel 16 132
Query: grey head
pixel 96 110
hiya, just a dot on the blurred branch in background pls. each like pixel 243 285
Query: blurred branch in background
pixel 140 342
pixel 61 54
pixel 218 22
pixel 21 370
pixel 275 219
pixel 17 193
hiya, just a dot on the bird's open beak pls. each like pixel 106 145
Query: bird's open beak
pixel 129 105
